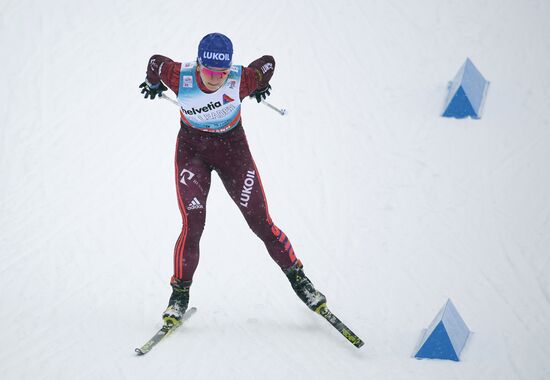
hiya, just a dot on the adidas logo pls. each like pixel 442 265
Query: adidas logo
pixel 195 204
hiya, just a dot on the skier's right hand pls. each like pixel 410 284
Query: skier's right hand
pixel 151 90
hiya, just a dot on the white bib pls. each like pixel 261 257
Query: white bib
pixel 217 112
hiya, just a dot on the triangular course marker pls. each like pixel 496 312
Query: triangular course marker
pixel 446 336
pixel 467 93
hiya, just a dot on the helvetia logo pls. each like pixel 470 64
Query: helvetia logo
pixel 210 107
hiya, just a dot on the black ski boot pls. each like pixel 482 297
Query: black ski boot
pixel 303 287
pixel 179 300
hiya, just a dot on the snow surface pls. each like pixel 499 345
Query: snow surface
pixel 392 208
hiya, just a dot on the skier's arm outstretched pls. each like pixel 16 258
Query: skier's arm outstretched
pixel 164 73
pixel 256 78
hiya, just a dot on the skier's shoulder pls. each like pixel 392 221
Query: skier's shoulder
pixel 264 63
pixel 164 69
pixel 188 66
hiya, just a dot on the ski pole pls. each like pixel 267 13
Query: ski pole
pixel 166 97
pixel 281 111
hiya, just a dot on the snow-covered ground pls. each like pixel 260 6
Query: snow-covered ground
pixel 392 208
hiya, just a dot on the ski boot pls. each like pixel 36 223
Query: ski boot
pixel 303 287
pixel 179 300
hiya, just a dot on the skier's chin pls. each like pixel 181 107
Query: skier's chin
pixel 213 86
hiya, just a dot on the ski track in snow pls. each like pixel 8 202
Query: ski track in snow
pixel 392 208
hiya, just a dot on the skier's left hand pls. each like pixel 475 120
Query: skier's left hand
pixel 261 93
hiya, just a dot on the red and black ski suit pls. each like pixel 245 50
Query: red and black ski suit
pixel 199 152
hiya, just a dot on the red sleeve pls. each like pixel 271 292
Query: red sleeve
pixel 163 69
pixel 256 75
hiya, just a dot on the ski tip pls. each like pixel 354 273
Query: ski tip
pixel 139 352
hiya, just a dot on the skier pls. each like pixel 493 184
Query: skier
pixel 211 137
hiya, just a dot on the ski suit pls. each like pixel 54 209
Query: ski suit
pixel 212 137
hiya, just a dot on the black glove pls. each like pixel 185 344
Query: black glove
pixel 261 93
pixel 152 90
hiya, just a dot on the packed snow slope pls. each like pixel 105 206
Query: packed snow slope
pixel 392 208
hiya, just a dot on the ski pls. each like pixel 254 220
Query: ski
pixel 324 311
pixel 166 330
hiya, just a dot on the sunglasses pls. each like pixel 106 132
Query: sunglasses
pixel 214 73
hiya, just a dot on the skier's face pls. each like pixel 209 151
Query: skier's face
pixel 213 77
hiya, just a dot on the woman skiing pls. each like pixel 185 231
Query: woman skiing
pixel 210 91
